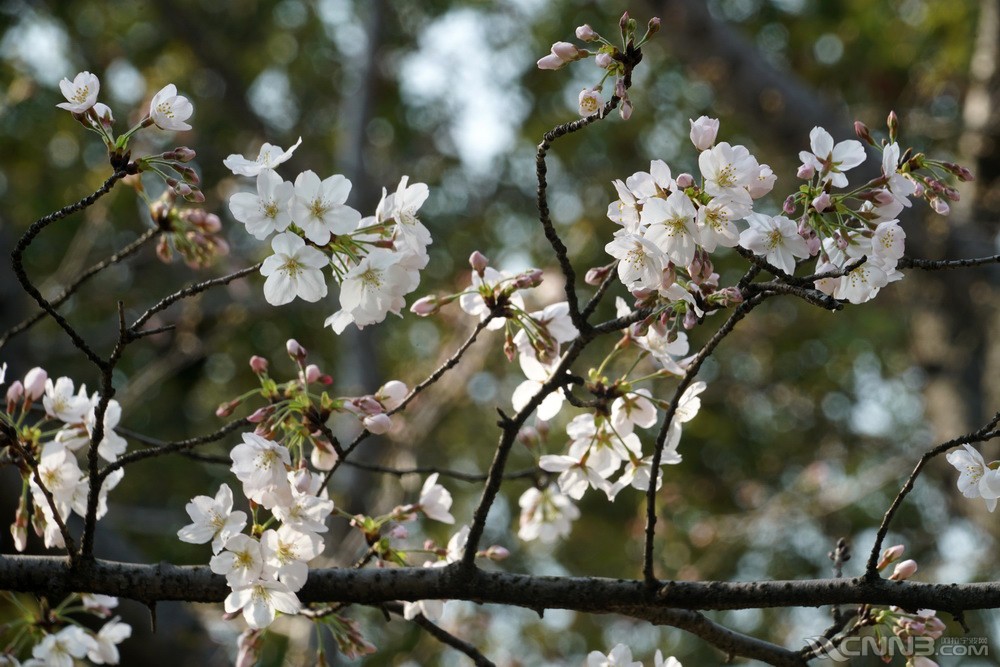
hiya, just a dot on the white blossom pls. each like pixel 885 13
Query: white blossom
pixel 976 479
pixel 435 501
pixel 261 465
pixel 168 110
pixel 268 157
pixel 776 238
pixel 81 92
pixel 546 515
pixel 829 160
pixel 620 656
pixel 260 601
pixel 241 562
pixel 640 261
pixel 213 520
pixel 318 207
pixel 111 634
pixel 269 210
pixel 294 270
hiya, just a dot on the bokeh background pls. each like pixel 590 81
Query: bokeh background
pixel 811 422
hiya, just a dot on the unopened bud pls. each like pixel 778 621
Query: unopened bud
pixel 509 349
pixel 295 350
pixel 312 373
pixel 940 206
pixel 425 306
pixel 196 196
pixel 623 21
pixel 690 319
pixel 653 26
pixel 478 262
pixel 893 124
pixel 15 392
pixel 918 190
pixel 597 275
pixel 626 109
pixel 183 154
pixel 883 197
pixel 684 180
pixel 586 34
pixel 806 171
pixel 730 296
pixel 497 553
pixel 528 436
pixel 103 113
pixel 258 364
pixel 566 51
pixel 952 194
pixel 904 570
pixel 788 208
pixel 260 414
pixel 399 532
pixel 604 60
pixel 704 132
pixel 378 424
pixel 863 133
pixel 890 555
pixel 822 202
pixel 34 383
pixel 530 278
pixel 226 409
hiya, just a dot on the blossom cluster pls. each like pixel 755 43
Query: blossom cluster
pixel 376 260
pixel 47 445
pixel 60 640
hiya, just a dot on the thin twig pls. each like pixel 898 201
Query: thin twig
pixel 941 264
pixel 444 636
pixel 191 290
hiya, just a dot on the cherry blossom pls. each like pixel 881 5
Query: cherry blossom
pixel 168 110
pixel 975 479
pixel 59 649
pixel 318 207
pixel 269 210
pixel 241 562
pixel 370 290
pixel 670 224
pixel 776 238
pixel 640 261
pixel 898 185
pixel 435 501
pixel 703 132
pixel 728 170
pixel 260 601
pixel 655 183
pixel 261 465
pixel 268 157
pixel 829 160
pixel 620 656
pixel 111 634
pixel 81 92
pixel 213 520
pixel 590 102
pixel 546 515
pixel 294 270
pixel 112 445
pixel 60 401
pixel 286 551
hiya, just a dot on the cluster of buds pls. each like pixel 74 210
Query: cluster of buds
pixel 903 570
pixel 615 61
pixel 172 167
pixel 192 232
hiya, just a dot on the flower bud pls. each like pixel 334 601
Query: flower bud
pixel 904 570
pixel 312 373
pixel 788 208
pixel 183 189
pixel 623 21
pixel 883 197
pixel 391 394
pixel 528 436
pixel 890 555
pixel 378 424
pixel 585 33
pixel 295 350
pixel 703 132
pixel 952 194
pixel 604 60
pixel 918 190
pixel 248 647
pixel 863 133
pixel 399 532
pixel 893 124
pixel 478 262
pixel 551 61
pixel 15 392
pixel 103 113
pixel 805 171
pixel 227 409
pixel 596 275
pixel 196 196
pixel 625 110
pixel 690 319
pixel 530 278
pixel 367 405
pixel 497 553
pixel 822 202
pixel 183 154
pixel 566 51
pixel 621 92
pixel 684 180
pixel 425 306
pixel 258 365
pixel 653 26
pixel 34 383
pixel 940 206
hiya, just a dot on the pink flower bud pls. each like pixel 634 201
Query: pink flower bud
pixel 226 409
pixel 625 110
pixel 258 365
pixel 893 124
pixel 890 555
pixel 904 570
pixel 183 189
pixel 621 91
pixel 497 553
pixel 822 202
pixel 684 180
pixel 478 262
pixel 952 194
pixel 528 436
pixel 15 392
pixel 399 532
pixel 378 424
pixel 690 319
pixel 653 26
pixel 596 275
pixel 425 306
pixel 863 133
pixel 918 190
pixel 883 197
pixel 604 60
pixel 788 208
pixel 248 647
pixel 295 350
pixel 806 171
pixel 212 224
pixel 367 405
pixel 34 383
pixel 551 61
pixel 565 50
pixel 260 414
pixel 183 154
pixel 940 206
pixel 312 373
pixel 585 33
pixel 530 278
pixel 703 132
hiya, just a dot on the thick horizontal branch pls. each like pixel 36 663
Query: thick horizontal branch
pixel 47 575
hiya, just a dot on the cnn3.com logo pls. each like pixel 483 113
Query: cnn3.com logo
pixel 843 649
